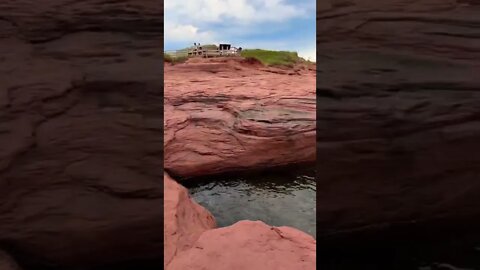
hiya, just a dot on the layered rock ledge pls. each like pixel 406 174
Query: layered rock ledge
pixel 398 114
pixel 226 115
pixel 81 131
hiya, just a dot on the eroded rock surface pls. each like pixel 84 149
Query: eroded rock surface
pixel 81 131
pixel 249 245
pixel 184 219
pixel 225 115
pixel 399 113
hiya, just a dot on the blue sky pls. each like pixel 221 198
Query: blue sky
pixel 269 24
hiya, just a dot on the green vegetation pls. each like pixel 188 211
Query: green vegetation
pixel 266 57
pixel 175 59
pixel 273 58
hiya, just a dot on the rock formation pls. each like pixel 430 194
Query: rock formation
pixel 81 131
pixel 225 115
pixel 184 219
pixel 249 245
pixel 398 113
pixel 191 242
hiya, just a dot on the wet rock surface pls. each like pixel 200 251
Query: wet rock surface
pixel 249 245
pixel 398 114
pixel 227 115
pixel 80 131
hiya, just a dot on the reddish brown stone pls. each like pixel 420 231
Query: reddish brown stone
pixel 249 245
pixel 184 219
pixel 225 115
pixel 81 131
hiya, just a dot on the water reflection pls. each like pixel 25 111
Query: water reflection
pixel 282 198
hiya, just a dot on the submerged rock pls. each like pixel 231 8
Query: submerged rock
pixel 184 219
pixel 249 245
pixel 222 115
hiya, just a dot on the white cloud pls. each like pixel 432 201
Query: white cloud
pixel 247 23
pixel 232 11
pixel 308 54
pixel 187 33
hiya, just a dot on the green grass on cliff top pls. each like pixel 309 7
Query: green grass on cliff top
pixel 267 57
pixel 273 58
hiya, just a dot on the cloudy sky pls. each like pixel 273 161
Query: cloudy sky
pixel 267 24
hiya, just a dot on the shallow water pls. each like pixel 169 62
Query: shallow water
pixel 285 197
